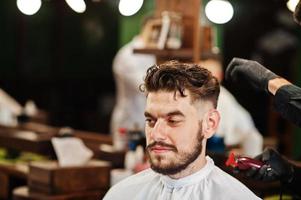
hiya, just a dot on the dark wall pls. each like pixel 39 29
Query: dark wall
pixel 264 31
pixel 61 59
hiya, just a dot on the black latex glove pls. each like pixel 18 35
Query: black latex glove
pixel 242 70
pixel 276 167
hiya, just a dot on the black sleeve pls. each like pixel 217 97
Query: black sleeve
pixel 288 103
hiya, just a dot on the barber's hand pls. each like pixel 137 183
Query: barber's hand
pixel 242 70
pixel 276 167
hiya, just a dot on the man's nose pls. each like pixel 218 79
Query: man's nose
pixel 158 133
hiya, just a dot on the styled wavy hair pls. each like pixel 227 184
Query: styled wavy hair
pixel 178 77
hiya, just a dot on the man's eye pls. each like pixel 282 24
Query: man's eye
pixel 150 122
pixel 171 121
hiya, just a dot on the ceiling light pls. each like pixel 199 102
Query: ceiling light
pixel 29 7
pixel 291 4
pixel 78 6
pixel 219 11
pixel 129 7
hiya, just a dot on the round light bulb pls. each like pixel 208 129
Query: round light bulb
pixel 219 11
pixel 129 7
pixel 78 6
pixel 291 4
pixel 29 7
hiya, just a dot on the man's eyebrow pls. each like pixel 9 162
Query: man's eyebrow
pixel 147 114
pixel 173 113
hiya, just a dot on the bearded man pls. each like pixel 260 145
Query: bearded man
pixel 181 101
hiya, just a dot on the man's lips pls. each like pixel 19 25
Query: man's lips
pixel 161 149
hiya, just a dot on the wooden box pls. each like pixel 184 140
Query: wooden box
pixel 47 177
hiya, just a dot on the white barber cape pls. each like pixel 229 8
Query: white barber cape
pixel 129 70
pixel 210 183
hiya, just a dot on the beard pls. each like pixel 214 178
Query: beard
pixel 180 161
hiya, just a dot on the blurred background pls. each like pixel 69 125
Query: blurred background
pixel 56 61
pixel 61 58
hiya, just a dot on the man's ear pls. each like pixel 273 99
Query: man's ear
pixel 210 123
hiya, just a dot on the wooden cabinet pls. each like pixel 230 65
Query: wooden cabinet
pixel 190 12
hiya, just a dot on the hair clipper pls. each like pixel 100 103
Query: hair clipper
pixel 243 163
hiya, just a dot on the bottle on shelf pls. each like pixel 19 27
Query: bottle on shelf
pixel 135 138
pixel 121 139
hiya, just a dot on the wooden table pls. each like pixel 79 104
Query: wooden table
pixel 11 176
pixel 36 138
pixel 23 140
pixel 23 193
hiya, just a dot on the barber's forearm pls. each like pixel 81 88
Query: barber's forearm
pixel 276 83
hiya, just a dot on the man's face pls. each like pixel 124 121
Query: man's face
pixel 173 132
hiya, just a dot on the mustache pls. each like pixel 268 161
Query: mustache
pixel 163 144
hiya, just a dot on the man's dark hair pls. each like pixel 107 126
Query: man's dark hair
pixel 176 76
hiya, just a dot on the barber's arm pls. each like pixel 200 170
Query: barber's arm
pixel 287 96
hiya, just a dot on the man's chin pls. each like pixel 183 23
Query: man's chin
pixel 162 165
pixel 165 170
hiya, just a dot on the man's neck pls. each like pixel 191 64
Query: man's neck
pixel 193 167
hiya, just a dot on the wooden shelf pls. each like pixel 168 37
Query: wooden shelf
pixel 190 12
pixel 168 53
